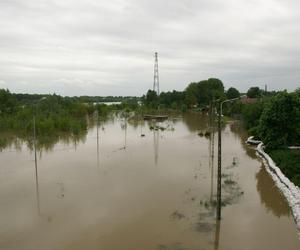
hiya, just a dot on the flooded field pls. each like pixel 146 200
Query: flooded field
pixel 141 186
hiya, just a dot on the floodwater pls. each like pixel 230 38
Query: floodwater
pixel 124 191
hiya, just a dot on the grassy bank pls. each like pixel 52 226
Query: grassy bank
pixel 288 161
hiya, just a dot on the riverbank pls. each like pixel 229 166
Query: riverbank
pixel 290 191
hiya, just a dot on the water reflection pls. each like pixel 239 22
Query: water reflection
pixel 270 195
pixel 268 192
pixel 240 133
pixel 217 235
pixel 98 140
pixel 211 153
pixel 100 209
pixel 37 191
pixel 43 143
pixel 156 145
pixel 195 121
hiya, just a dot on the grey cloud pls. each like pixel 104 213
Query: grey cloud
pixel 75 47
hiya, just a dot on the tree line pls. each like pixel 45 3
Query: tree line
pixel 272 116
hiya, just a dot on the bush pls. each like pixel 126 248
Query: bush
pixel 288 161
pixel 279 124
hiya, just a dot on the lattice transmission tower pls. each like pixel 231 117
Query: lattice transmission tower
pixel 156 76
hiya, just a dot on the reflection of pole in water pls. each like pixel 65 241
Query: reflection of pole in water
pixel 141 124
pixel 217 234
pixel 75 143
pixel 125 142
pixel 97 139
pixel 36 170
pixel 156 144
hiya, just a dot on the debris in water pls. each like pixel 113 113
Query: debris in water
pixel 203 227
pixel 207 134
pixel 234 161
pixel 177 215
pixel 200 134
pixel 229 182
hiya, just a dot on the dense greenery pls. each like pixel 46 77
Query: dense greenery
pixel 26 99
pixel 251 114
pixel 203 92
pixel 289 162
pixel 276 121
pixel 196 94
pixel 273 117
pixel 279 124
pixel 232 93
pixel 254 92
pixel 52 114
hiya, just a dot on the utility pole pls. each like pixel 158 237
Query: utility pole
pixel 219 165
pixel 219 187
pixel 156 76
pixel 211 150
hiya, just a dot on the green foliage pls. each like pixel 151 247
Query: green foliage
pixel 8 103
pixel 254 92
pixel 251 114
pixel 232 93
pixel 203 92
pixel 53 114
pixel 130 104
pixel 280 121
pixel 151 99
pixel 289 162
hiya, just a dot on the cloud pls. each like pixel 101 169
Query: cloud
pixel 97 47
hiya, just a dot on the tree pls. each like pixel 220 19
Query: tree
pixel 8 102
pixel 151 99
pixel 232 93
pixel 171 99
pixel 279 124
pixel 254 92
pixel 203 92
pixel 191 93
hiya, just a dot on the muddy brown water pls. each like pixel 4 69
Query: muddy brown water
pixel 128 192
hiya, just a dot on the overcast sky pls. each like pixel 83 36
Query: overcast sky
pixel 97 47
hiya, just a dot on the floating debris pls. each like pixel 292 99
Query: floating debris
pixel 229 182
pixel 203 227
pixel 234 161
pixel 207 134
pixel 177 215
